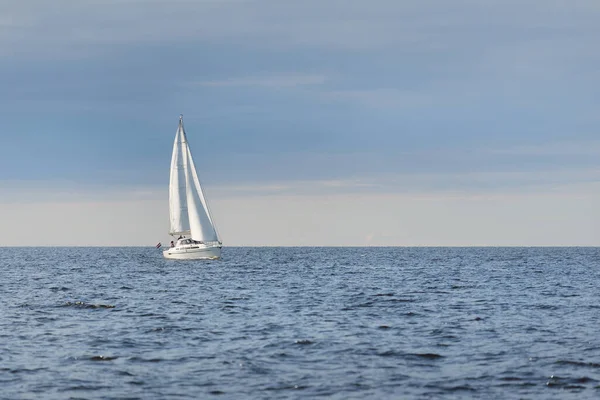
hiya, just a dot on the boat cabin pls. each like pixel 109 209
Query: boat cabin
pixel 187 242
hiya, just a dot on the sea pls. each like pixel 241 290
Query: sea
pixel 300 323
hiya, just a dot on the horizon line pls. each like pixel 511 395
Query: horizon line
pixel 330 246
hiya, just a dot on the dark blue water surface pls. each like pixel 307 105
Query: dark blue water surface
pixel 342 323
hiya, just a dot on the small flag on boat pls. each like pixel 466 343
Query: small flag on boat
pixel 158 245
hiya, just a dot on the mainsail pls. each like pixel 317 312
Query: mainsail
pixel 188 207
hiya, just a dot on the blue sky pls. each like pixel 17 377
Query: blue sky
pixel 354 96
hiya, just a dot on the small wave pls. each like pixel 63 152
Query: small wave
pixel 103 358
pixel 546 307
pixel 458 388
pixel 84 388
pixel 568 383
pixel 23 370
pixel 390 353
pixel 285 387
pixel 162 329
pixel 148 360
pixel 81 304
pixel 357 306
pixel 366 304
pixel 59 289
pixel 517 384
pixel 510 378
pixel 402 300
pixel 578 363
pixel 429 356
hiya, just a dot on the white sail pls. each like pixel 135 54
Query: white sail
pixel 202 227
pixel 189 210
pixel 180 223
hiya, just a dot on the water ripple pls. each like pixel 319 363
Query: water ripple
pixel 343 323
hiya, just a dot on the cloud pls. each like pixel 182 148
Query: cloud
pixel 9 21
pixel 383 53
pixel 464 184
pixel 394 103
pixel 276 81
pixel 297 187
pixel 411 87
pixel 566 216
pixel 352 25
pixel 439 184
pixel 556 148
pixel 386 98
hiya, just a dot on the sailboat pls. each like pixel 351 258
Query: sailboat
pixel 191 220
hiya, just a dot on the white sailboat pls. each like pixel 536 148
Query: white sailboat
pixel 191 220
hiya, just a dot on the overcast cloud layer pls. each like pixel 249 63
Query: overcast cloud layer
pixel 302 98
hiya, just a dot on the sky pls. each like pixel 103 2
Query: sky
pixel 330 122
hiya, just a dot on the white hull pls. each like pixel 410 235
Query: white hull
pixel 193 253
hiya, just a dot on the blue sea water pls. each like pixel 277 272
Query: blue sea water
pixel 291 323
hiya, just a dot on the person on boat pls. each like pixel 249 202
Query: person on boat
pixel 172 244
